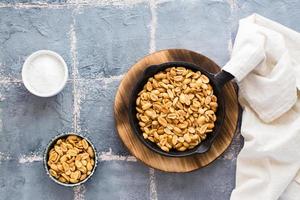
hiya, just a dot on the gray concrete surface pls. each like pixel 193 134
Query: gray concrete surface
pixel 100 40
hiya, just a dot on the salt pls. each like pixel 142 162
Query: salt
pixel 44 74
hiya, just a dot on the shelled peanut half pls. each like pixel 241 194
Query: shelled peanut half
pixel 71 160
pixel 176 109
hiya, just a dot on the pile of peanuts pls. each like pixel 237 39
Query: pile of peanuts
pixel 176 109
pixel 71 159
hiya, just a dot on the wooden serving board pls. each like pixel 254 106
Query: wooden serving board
pixel 146 155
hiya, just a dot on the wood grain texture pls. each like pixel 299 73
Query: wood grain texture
pixel 146 155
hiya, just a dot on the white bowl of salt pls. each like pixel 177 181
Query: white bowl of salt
pixel 44 73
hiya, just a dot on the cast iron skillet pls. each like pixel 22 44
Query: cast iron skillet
pixel 217 81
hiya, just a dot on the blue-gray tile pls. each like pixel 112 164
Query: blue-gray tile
pixel 29 181
pixel 213 182
pixel 285 12
pixel 110 39
pixel 202 26
pixel 24 31
pixel 29 122
pixel 96 114
pixel 119 180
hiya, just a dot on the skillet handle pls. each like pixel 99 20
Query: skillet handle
pixel 222 77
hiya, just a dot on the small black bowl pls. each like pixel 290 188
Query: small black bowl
pixel 46 158
pixel 217 81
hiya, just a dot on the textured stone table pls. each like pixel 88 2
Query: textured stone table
pixel 100 40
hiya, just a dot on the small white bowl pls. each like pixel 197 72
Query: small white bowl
pixel 34 77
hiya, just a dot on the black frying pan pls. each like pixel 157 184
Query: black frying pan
pixel 217 81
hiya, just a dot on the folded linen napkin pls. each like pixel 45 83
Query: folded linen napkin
pixel 266 63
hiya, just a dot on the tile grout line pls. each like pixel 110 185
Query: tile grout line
pixel 153 26
pixel 106 80
pixel 233 7
pixel 75 76
pixel 72 3
pixel 109 156
pixel 152 48
pixel 79 192
pixel 30 158
pixel 4 157
pixel 232 4
pixel 104 2
pixel 32 5
pixel 7 80
pixel 152 179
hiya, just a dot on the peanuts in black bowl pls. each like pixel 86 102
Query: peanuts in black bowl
pixel 217 81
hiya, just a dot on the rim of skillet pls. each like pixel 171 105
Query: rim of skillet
pixel 52 143
pixel 210 137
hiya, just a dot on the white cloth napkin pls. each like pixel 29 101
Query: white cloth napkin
pixel 266 63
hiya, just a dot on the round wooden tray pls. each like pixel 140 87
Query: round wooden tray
pixel 146 155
